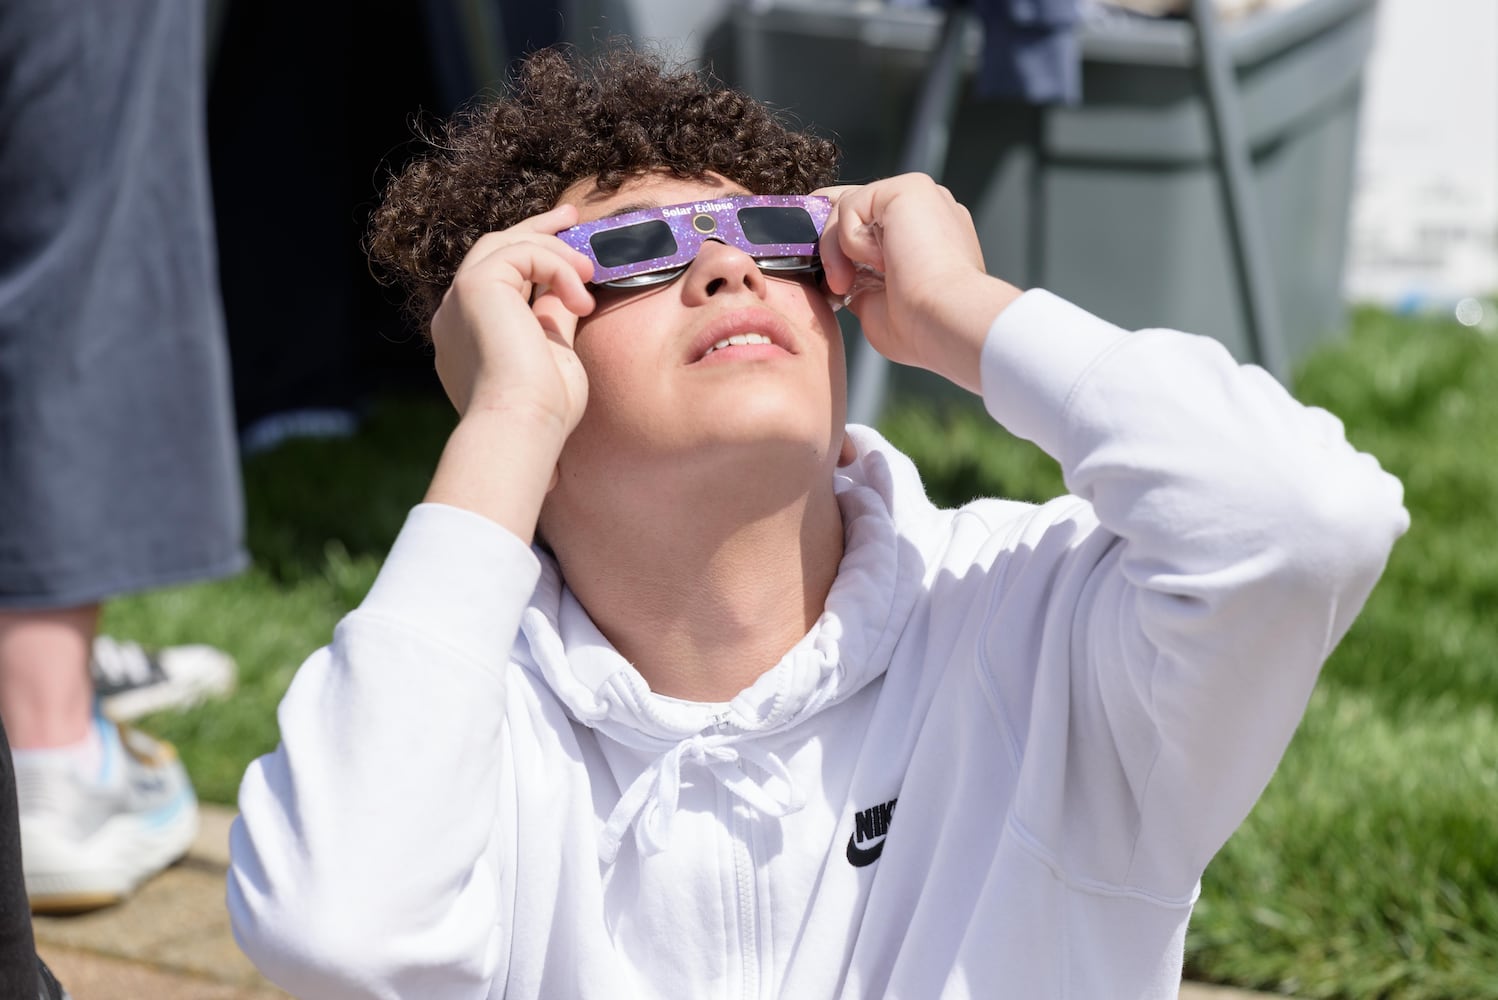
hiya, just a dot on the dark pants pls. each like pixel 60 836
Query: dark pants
pixel 118 470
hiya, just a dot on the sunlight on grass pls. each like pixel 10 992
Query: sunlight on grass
pixel 1367 868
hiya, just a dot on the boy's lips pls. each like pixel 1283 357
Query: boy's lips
pixel 741 323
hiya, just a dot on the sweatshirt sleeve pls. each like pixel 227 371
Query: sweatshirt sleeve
pixel 363 861
pixel 1236 536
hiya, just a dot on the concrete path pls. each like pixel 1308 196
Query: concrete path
pixel 171 941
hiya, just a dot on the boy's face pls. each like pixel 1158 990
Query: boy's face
pixel 667 414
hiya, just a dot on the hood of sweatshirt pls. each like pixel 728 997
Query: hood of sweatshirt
pixel 886 519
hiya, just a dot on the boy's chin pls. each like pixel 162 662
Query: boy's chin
pixel 731 448
pixel 734 462
pixel 775 431
pixel 735 474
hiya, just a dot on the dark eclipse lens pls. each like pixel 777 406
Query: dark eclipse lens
pixel 633 244
pixel 770 226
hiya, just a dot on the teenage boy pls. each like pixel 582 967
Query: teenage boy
pixel 677 686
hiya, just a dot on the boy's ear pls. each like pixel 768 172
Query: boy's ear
pixel 847 454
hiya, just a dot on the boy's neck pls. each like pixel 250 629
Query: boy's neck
pixel 704 599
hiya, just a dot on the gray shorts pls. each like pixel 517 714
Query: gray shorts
pixel 118 467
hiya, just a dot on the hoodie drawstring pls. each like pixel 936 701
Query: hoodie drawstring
pixel 650 801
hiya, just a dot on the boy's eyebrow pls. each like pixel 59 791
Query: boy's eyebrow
pixel 638 206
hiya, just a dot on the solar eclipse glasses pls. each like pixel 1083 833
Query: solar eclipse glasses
pixel 655 245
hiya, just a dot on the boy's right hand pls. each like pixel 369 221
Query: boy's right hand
pixel 503 333
pixel 503 336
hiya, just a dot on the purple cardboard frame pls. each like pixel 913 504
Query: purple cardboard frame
pixel 692 224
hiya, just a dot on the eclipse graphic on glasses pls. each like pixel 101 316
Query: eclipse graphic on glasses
pixel 655 245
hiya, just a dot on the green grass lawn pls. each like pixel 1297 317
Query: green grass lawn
pixel 1370 867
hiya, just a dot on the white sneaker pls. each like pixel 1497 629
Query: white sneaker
pixel 89 841
pixel 130 682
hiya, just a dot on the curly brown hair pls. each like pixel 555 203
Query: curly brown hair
pixel 566 117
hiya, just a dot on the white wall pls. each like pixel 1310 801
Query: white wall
pixel 1425 212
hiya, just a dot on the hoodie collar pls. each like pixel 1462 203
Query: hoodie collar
pixel 849 645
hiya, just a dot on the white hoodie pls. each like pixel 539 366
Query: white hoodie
pixel 996 767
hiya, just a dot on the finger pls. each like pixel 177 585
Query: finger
pixel 547 223
pixel 835 192
pixel 577 300
pixel 530 262
pixel 556 318
pixel 547 270
pixel 551 221
pixel 486 246
pixel 581 262
pixel 838 269
pixel 855 231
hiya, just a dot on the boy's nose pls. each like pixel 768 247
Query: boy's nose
pixel 720 268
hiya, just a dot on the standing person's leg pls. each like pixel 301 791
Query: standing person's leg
pixel 117 465
pixel 54 666
pixel 45 691
pixel 93 820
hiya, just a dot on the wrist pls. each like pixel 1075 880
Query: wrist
pixel 959 326
pixel 518 414
pixel 498 462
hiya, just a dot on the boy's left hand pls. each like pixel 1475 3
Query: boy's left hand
pixel 936 302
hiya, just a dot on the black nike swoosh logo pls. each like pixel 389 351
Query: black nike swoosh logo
pixel 861 857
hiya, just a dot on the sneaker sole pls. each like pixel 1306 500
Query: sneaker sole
pixel 109 866
pixel 131 705
pixel 62 904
